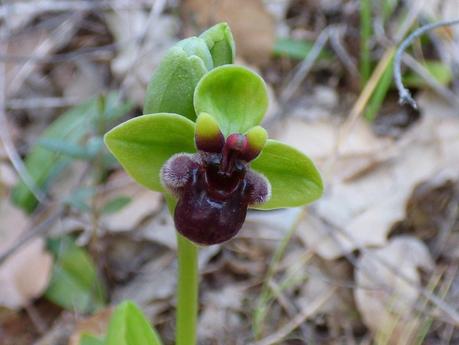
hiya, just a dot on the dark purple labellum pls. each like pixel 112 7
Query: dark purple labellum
pixel 214 191
pixel 207 215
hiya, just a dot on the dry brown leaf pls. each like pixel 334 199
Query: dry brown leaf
pixel 385 299
pixel 160 229
pixel 251 24
pixel 321 275
pixel 26 273
pixel 358 209
pixel 80 80
pixel 221 307
pixel 95 325
pixel 144 203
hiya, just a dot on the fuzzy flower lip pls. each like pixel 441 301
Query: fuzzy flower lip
pixel 231 101
pixel 215 186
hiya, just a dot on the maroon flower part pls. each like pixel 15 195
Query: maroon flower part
pixel 215 186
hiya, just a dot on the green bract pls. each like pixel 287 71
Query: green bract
pixel 237 98
pixel 172 85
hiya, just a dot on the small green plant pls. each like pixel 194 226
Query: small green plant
pixel 201 145
pixel 127 326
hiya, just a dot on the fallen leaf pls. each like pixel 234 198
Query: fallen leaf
pixel 385 300
pixel 143 203
pixel 373 177
pixel 25 274
pixel 80 80
pixel 251 24
pixel 221 307
pixel 8 177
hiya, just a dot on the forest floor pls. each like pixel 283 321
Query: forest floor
pixel 375 261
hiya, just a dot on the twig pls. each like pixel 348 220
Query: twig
pixel 100 52
pixel 302 71
pixel 44 102
pixel 341 52
pixel 6 139
pixel 140 49
pixel 30 234
pixel 60 35
pixel 442 90
pixel 404 93
pixel 74 6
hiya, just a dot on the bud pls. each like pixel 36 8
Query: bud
pixel 220 41
pixel 197 46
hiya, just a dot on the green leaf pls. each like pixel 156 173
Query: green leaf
pixel 294 179
pixel 44 165
pixel 128 326
pixel 143 144
pixel 438 70
pixel 74 282
pixel 198 47
pixel 80 198
pixel 296 49
pixel 87 339
pixel 379 94
pixel 116 204
pixel 172 85
pixel 66 148
pixel 220 41
pixel 234 95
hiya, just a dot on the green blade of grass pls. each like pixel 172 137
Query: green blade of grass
pixel 365 35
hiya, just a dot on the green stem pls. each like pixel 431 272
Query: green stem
pixel 187 294
pixel 365 34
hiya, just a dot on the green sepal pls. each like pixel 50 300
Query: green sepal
pixel 220 41
pixel 143 144
pixel 172 85
pixel 128 326
pixel 294 179
pixel 234 95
